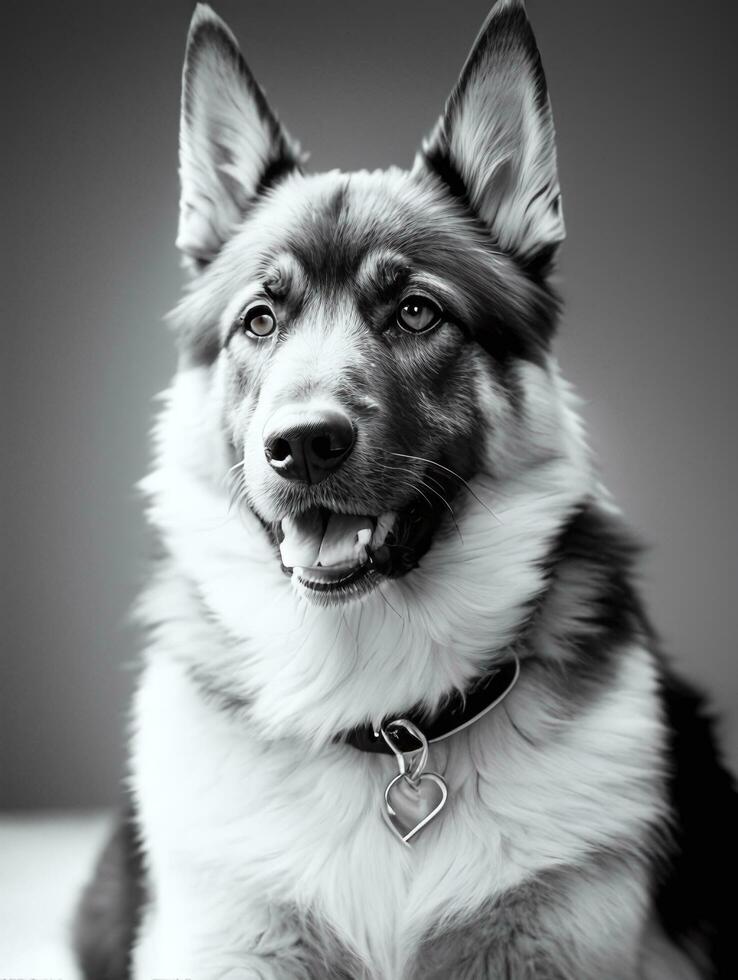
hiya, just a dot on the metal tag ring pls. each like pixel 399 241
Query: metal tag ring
pixel 411 764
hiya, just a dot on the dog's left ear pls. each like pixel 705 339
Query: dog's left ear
pixel 231 145
pixel 494 145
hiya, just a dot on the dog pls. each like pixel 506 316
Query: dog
pixel 401 713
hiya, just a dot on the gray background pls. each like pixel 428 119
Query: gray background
pixel 645 112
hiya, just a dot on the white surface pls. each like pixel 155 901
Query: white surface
pixel 45 859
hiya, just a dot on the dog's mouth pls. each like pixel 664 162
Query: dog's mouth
pixel 328 552
pixel 333 556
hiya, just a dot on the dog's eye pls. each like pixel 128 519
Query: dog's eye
pixel 418 313
pixel 259 320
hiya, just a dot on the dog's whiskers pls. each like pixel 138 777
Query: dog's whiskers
pixel 388 603
pixel 416 481
pixel 235 467
pixel 236 491
pixel 455 475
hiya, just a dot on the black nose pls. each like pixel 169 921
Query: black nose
pixel 308 444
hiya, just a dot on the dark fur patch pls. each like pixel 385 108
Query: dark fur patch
pixel 589 568
pixel 530 339
pixel 328 244
pixel 515 937
pixel 109 911
pixel 437 157
pixel 279 168
pixel 696 881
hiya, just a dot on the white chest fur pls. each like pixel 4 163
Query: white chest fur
pixel 235 828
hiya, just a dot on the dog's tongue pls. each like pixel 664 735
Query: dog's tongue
pixel 310 540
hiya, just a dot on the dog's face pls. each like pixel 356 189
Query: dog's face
pixel 367 334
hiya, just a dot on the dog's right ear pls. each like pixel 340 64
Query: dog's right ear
pixel 231 145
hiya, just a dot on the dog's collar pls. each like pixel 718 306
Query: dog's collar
pixel 460 711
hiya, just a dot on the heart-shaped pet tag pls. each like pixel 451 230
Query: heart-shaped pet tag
pixel 410 805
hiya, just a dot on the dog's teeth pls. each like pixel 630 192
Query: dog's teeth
pixel 362 543
pixel 385 523
pixel 345 539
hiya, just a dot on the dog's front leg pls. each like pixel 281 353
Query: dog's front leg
pixel 196 937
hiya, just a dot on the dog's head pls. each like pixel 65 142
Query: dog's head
pixel 366 335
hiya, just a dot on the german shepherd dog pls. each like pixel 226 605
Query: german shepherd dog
pixel 401 712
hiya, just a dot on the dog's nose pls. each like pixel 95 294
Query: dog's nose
pixel 308 444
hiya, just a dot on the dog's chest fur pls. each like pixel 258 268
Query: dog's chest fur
pixel 252 839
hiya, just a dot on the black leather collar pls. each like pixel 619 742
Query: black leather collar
pixel 458 711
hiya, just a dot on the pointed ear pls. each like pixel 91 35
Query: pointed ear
pixel 494 145
pixel 231 145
